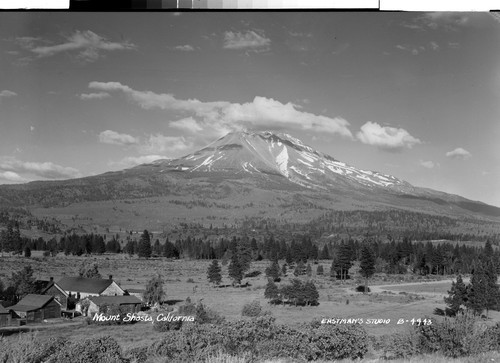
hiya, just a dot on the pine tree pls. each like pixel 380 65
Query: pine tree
pixel 344 261
pixel 457 295
pixel 308 270
pixel 334 268
pixel 478 290
pixel 311 293
pixel 154 293
pixel 273 270
pixel 367 265
pixel 235 270
pixel 214 273
pixel 271 292
pixel 144 248
pixel 493 295
pixel 300 269
pixel 320 271
pixel 325 254
pixel 244 252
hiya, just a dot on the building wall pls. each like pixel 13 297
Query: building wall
pixel 113 290
pixel 5 319
pixel 50 311
pixel 59 296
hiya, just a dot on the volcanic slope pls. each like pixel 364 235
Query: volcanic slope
pixel 239 175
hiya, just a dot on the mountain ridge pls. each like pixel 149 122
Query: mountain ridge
pixel 239 167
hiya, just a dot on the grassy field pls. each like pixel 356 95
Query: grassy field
pixel 187 278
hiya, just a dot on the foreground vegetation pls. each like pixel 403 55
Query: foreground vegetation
pixel 262 339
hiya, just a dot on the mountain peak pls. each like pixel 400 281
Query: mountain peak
pixel 276 154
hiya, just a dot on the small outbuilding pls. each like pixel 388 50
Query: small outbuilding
pixel 5 317
pixel 36 308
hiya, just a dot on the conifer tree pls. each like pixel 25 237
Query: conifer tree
pixel 271 292
pixel 235 270
pixel 457 295
pixel 478 290
pixel 144 248
pixel 319 270
pixel 300 269
pixel 311 293
pixel 273 270
pixel 214 273
pixel 308 270
pixel 367 265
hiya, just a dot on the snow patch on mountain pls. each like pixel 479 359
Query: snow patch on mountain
pixel 282 161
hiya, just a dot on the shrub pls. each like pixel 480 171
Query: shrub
pixel 402 345
pixel 166 325
pixel 251 309
pixel 459 336
pixel 29 348
pixel 137 354
pixel 340 342
pixel 102 349
pixel 361 288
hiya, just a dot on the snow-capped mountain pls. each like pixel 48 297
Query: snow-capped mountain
pixel 242 174
pixel 271 153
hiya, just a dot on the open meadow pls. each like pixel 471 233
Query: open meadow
pixel 393 298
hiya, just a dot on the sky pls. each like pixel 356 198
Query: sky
pixel 415 95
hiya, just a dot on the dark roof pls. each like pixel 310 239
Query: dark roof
pixel 141 291
pixel 42 285
pixel 3 310
pixel 82 284
pixel 32 302
pixel 115 300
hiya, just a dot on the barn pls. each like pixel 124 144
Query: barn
pixel 36 308
pixel 5 317
pixel 127 303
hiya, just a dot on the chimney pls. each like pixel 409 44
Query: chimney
pixel 111 277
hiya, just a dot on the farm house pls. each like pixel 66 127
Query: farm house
pixel 36 308
pixel 80 287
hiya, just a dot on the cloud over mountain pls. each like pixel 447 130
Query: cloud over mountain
pixel 386 137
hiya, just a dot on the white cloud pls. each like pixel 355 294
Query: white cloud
pixel 385 137
pixel 428 164
pixel 185 48
pixel 187 124
pixel 459 153
pixel 87 44
pixel 6 93
pixel 115 138
pixel 29 170
pixel 249 40
pixel 165 144
pixel 450 21
pixel 220 117
pixel 94 96
pixel 10 176
pixel 130 161
pixel 434 45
